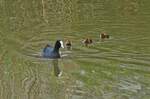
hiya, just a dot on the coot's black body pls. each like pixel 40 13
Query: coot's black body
pixel 50 52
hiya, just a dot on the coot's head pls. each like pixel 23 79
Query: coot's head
pixel 59 44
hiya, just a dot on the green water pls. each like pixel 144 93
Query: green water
pixel 117 68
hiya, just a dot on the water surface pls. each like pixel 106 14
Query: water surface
pixel 117 68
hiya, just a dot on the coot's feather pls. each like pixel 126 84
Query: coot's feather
pixel 50 52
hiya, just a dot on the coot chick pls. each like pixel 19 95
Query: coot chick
pixel 104 35
pixel 87 41
pixel 68 44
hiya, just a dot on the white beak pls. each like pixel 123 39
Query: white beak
pixel 62 45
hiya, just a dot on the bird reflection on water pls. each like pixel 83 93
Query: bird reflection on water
pixel 53 62
pixel 57 71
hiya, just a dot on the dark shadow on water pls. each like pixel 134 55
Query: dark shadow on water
pixel 52 62
pixel 57 71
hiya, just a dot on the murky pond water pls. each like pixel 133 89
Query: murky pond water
pixel 116 68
